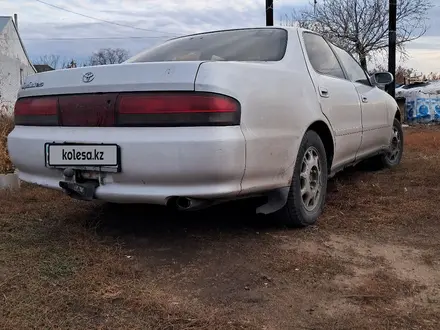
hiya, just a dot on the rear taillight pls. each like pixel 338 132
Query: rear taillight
pixel 88 110
pixel 129 109
pixel 39 111
pixel 177 109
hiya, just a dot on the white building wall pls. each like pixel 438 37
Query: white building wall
pixel 14 67
pixel 9 80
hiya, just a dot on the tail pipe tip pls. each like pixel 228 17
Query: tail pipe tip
pixel 187 203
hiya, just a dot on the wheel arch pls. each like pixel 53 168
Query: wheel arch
pixel 398 115
pixel 278 197
pixel 324 132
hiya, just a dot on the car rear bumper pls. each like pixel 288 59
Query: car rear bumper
pixel 157 163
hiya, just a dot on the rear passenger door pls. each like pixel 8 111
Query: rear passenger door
pixel 337 95
pixel 376 129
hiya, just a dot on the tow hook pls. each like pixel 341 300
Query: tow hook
pixel 69 173
pixel 82 191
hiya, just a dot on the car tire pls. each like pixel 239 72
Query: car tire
pixel 391 159
pixel 308 189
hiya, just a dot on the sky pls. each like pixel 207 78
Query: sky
pixel 46 30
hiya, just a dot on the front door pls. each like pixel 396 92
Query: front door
pixel 338 97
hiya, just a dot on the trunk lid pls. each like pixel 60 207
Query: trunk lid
pixel 127 77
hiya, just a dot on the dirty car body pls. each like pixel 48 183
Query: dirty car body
pixel 202 119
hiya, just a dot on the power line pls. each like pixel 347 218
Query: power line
pixel 99 19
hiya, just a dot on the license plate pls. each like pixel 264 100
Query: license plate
pixel 82 155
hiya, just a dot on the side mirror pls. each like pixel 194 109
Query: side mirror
pixel 381 79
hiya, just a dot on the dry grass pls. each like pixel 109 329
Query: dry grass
pixel 6 126
pixel 55 272
pixel 372 262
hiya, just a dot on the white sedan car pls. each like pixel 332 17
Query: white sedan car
pixel 208 118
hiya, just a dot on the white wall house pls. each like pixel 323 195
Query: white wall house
pixel 14 63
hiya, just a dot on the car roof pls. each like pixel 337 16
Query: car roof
pixel 288 28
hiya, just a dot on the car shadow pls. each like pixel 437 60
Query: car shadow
pixel 161 237
pixel 138 221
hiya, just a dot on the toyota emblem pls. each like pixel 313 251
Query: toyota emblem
pixel 88 77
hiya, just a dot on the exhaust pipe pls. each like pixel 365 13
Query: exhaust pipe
pixel 189 204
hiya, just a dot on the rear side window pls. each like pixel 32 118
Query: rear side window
pixel 354 70
pixel 321 56
pixel 231 45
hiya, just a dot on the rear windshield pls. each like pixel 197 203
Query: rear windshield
pixel 232 45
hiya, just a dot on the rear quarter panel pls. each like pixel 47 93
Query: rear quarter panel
pixel 278 104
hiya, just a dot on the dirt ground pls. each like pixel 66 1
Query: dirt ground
pixel 372 261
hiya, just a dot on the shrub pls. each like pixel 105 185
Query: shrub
pixel 6 126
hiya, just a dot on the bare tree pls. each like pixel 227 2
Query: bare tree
pixel 51 60
pixel 69 64
pixel 56 62
pixel 361 26
pixel 109 56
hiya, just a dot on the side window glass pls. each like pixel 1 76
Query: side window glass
pixel 354 70
pixel 321 56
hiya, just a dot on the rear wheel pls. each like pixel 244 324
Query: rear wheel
pixel 308 188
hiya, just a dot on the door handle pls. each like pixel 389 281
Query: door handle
pixel 324 92
pixel 364 99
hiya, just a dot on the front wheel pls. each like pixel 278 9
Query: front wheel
pixel 392 157
pixel 308 189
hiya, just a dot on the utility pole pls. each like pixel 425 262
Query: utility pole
pixel 269 12
pixel 392 46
